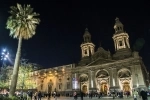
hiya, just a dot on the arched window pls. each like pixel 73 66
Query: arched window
pixel 85 51
pixel 118 28
pixel 120 43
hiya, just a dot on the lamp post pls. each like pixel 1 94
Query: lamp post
pixel 4 56
pixel 3 73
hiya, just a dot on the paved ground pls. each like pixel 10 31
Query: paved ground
pixel 95 98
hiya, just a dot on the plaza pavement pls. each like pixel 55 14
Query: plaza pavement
pixel 94 98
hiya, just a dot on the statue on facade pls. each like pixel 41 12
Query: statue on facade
pixel 83 78
pixel 50 84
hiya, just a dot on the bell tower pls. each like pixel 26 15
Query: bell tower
pixel 121 38
pixel 87 47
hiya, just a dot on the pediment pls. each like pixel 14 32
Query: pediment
pixel 100 61
pixel 101 53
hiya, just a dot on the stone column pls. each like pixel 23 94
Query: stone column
pixel 111 77
pixel 133 72
pixel 127 41
pixel 91 77
pixel 82 52
pixel 123 42
pixel 76 85
pixel 117 44
pixel 72 76
pixel 74 81
pixel 92 81
pixel 115 82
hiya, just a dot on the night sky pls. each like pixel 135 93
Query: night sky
pixel 60 33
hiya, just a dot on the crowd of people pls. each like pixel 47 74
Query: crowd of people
pixel 37 95
pixel 135 94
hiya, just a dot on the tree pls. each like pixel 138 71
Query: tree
pixel 24 78
pixel 22 24
pixel 4 79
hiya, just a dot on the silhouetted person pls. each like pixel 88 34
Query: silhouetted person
pixel 91 94
pixel 113 93
pixel 99 95
pixel 135 94
pixel 81 95
pixel 49 95
pixel 35 95
pixel 55 95
pixel 75 95
pixel 143 94
pixel 39 95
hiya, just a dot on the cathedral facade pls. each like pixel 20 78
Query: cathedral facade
pixel 98 70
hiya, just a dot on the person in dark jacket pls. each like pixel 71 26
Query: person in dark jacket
pixel 39 95
pixel 82 95
pixel 49 95
pixel 75 96
pixel 143 94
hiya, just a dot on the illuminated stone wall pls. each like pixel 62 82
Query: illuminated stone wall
pixel 54 79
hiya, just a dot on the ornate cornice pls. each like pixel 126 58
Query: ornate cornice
pixel 113 65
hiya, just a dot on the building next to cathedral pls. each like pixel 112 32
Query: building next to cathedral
pixel 98 70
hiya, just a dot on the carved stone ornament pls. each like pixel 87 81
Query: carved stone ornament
pixel 102 74
pixel 123 73
pixel 83 78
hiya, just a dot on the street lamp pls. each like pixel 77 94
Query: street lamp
pixel 3 72
pixel 4 56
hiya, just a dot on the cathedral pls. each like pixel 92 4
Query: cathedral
pixel 98 70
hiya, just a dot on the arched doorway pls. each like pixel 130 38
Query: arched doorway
pixel 124 76
pixel 126 87
pixel 102 81
pixel 104 88
pixel 84 89
pixel 83 83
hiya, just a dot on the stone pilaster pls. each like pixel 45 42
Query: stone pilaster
pixel 92 84
pixel 111 77
pixel 89 78
pixel 115 81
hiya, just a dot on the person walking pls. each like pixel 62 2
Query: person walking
pixel 113 93
pixel 35 95
pixel 135 94
pixel 49 95
pixel 143 94
pixel 81 95
pixel 55 95
pixel 39 95
pixel 75 95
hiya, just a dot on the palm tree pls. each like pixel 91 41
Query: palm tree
pixel 22 24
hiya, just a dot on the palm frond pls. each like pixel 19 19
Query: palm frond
pixel 22 22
